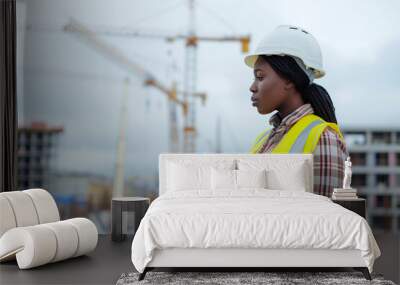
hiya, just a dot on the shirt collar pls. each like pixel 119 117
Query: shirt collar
pixel 276 120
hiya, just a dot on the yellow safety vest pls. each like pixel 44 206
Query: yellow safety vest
pixel 302 137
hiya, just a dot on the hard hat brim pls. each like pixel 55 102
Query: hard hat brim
pixel 250 61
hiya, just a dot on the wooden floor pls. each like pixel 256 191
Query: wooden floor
pixel 111 259
pixel 103 266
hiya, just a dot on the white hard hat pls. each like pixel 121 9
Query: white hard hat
pixel 292 41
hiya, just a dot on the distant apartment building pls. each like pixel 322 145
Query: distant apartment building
pixel 36 149
pixel 375 154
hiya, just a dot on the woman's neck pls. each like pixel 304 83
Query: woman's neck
pixel 286 110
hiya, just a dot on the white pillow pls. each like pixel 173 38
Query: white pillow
pixel 282 174
pixel 223 179
pixel 293 178
pixel 237 179
pixel 189 175
pixel 251 178
pixel 183 177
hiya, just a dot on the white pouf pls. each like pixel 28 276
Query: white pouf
pixel 31 232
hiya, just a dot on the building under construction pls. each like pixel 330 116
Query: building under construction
pixel 37 149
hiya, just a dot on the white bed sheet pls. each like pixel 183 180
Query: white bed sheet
pixel 250 218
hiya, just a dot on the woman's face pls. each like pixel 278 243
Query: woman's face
pixel 268 88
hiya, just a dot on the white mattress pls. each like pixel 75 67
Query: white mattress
pixel 252 218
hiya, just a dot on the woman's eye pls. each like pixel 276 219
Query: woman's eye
pixel 258 77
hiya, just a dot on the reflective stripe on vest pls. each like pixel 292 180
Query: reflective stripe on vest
pixel 302 137
pixel 298 145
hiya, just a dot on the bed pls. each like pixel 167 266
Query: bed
pixel 244 211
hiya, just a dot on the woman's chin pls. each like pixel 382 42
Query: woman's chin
pixel 263 111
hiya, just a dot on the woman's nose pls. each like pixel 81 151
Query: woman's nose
pixel 253 88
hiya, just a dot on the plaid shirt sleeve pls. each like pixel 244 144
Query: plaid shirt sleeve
pixel 329 156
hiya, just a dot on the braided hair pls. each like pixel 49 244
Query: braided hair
pixel 313 93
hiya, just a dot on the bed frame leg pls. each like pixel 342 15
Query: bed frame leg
pixel 143 274
pixel 364 271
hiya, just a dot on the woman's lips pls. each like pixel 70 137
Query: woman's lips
pixel 255 103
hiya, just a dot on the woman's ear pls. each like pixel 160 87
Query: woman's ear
pixel 288 85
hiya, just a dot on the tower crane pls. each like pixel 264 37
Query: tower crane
pixel 111 52
pixel 190 74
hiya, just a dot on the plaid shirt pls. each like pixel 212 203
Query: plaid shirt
pixel 329 154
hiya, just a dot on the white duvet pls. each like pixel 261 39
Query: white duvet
pixel 251 218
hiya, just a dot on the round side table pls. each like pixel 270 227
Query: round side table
pixel 121 209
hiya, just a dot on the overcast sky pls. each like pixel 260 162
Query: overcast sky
pixel 67 83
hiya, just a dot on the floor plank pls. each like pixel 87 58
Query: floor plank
pixel 111 259
pixel 102 266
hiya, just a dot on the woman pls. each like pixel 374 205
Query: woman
pixel 285 65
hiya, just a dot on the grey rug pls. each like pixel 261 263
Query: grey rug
pixel 225 278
